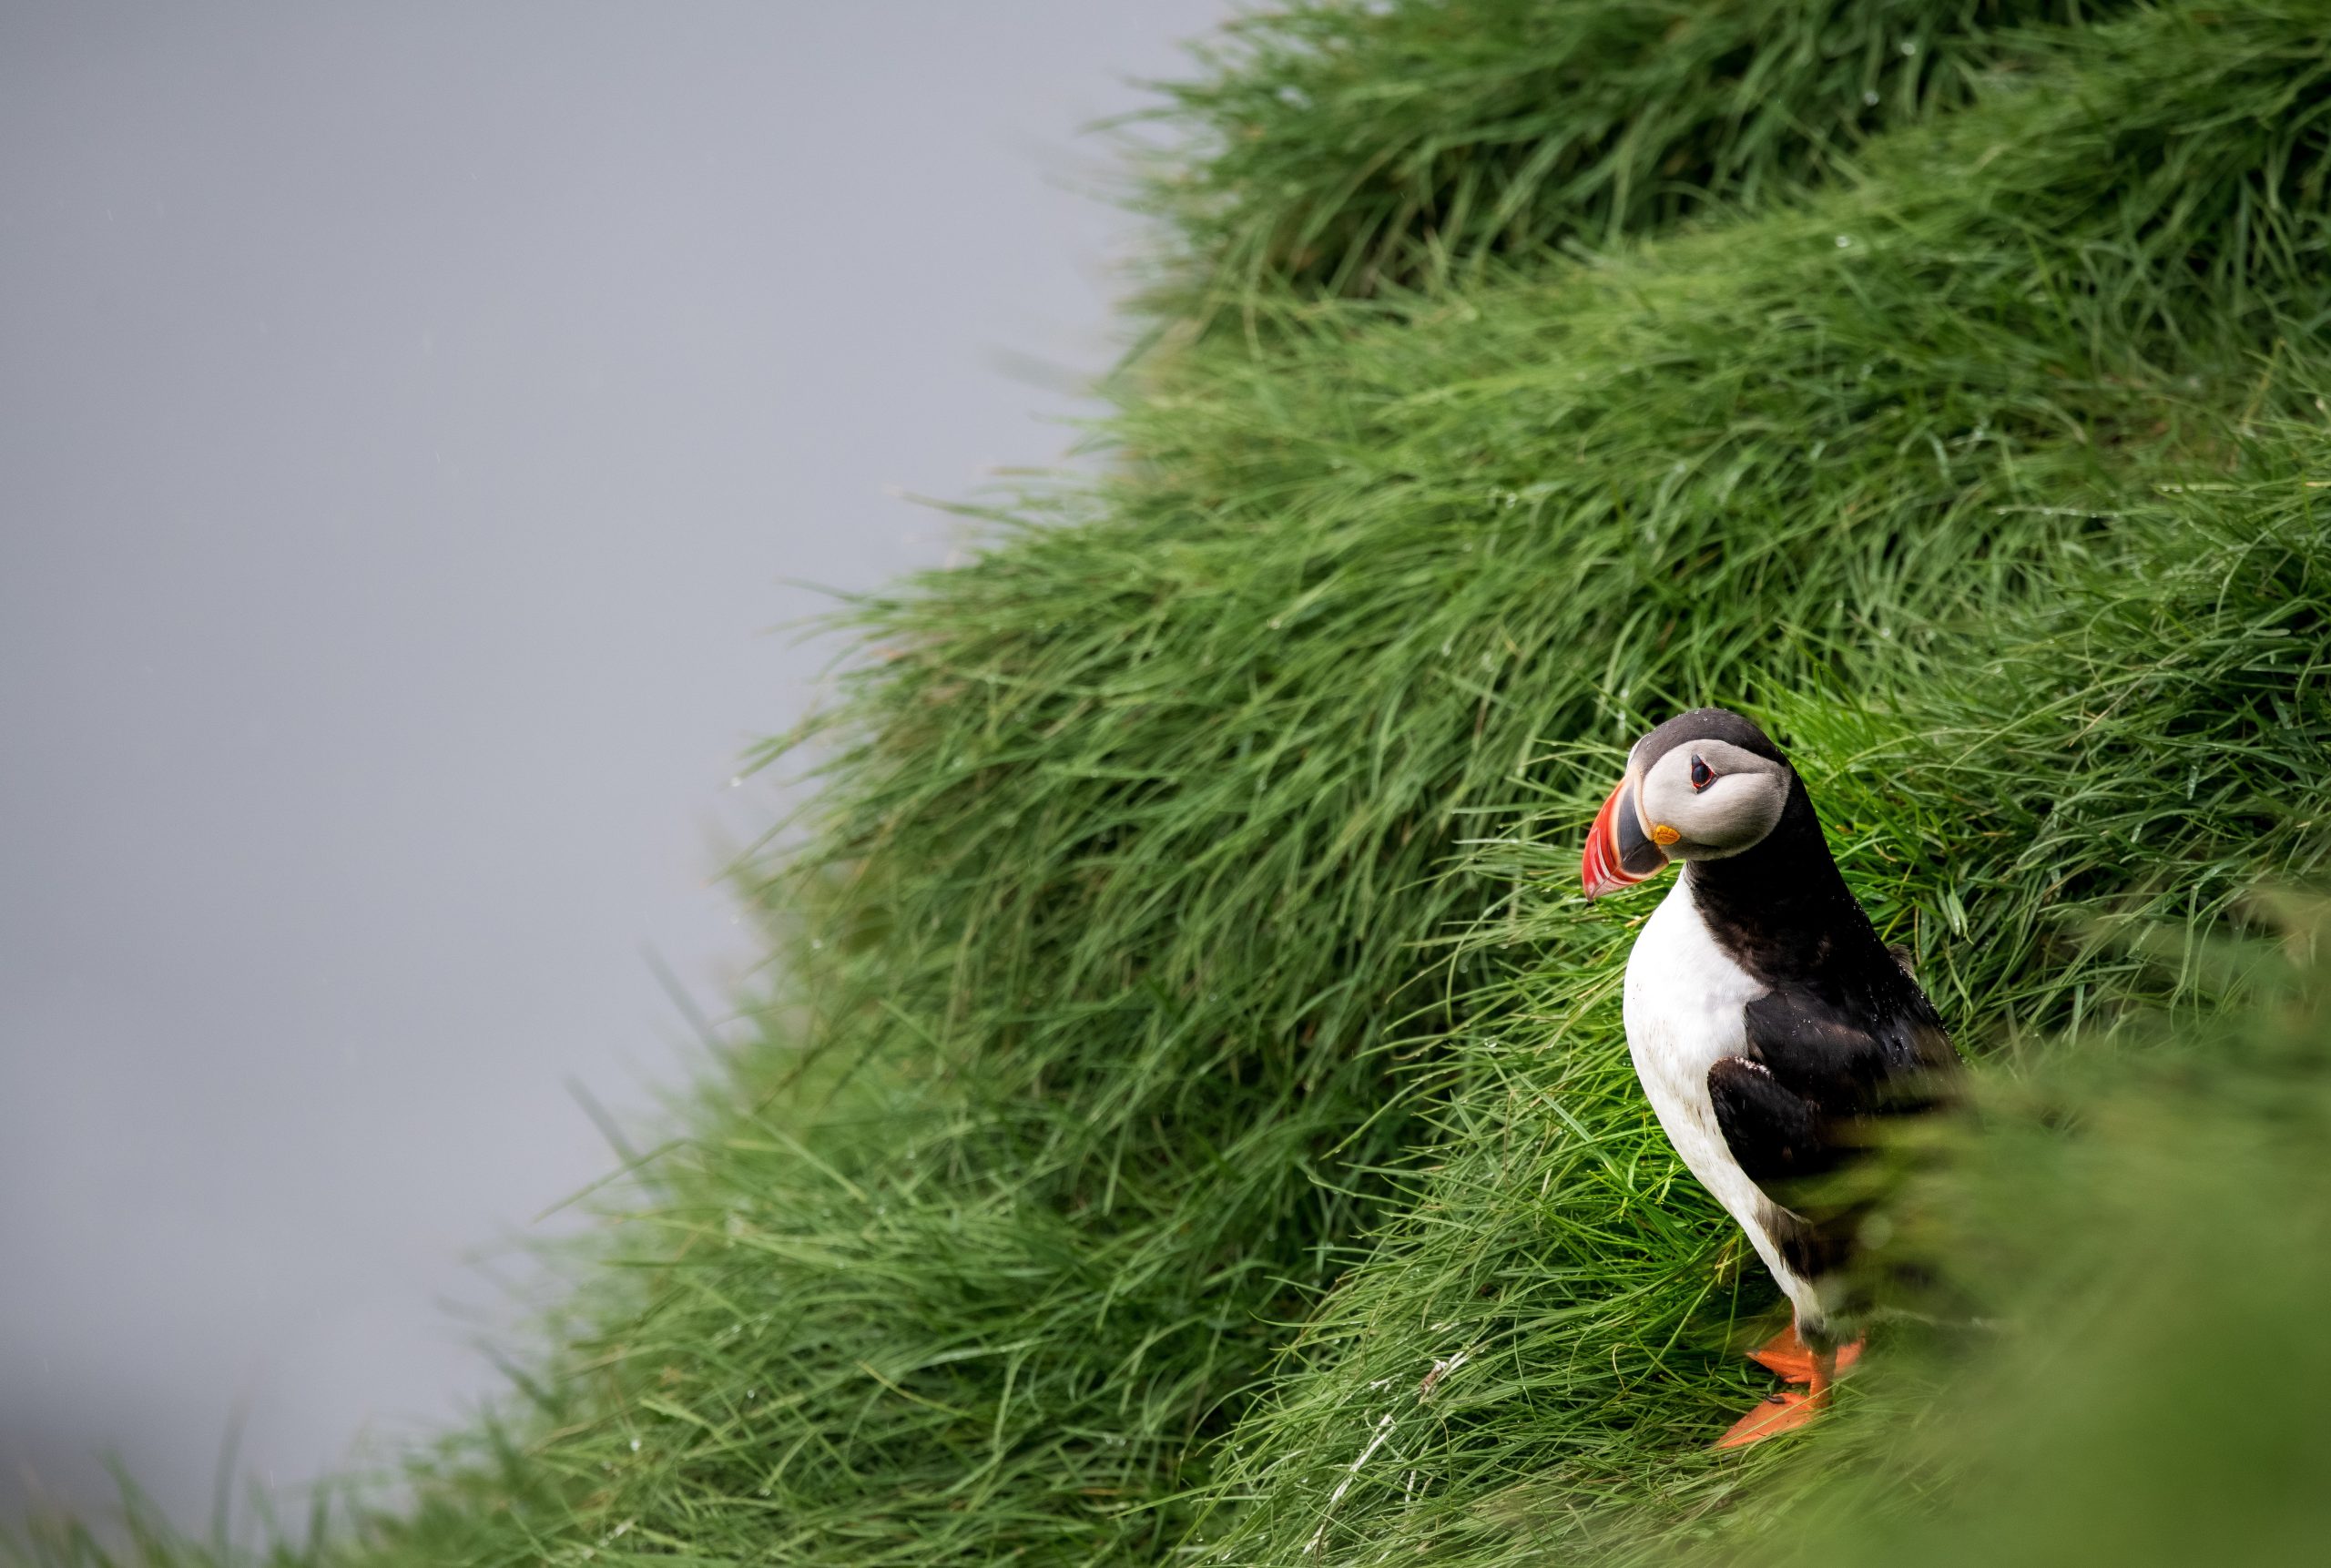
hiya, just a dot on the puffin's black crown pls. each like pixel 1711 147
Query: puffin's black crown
pixel 1706 724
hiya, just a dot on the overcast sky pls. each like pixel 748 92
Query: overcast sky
pixel 407 415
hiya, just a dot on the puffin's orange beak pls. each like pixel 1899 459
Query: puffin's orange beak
pixel 1619 853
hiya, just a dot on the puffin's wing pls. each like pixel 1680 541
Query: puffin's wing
pixel 1801 1100
pixel 1880 1059
pixel 1781 1140
pixel 1773 1132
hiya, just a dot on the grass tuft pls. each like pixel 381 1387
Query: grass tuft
pixel 1348 149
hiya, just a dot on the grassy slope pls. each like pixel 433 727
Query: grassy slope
pixel 1196 859
pixel 2150 1393
pixel 1415 141
pixel 2134 762
pixel 1531 1355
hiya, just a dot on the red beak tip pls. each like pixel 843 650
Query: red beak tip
pixel 1599 869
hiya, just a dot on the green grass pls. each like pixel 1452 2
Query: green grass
pixel 2150 1388
pixel 1193 1120
pixel 2053 817
pixel 1346 150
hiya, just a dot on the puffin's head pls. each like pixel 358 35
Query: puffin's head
pixel 1702 786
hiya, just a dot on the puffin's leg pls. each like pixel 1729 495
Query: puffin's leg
pixel 1786 1353
pixel 1825 1373
pixel 1788 1409
pixel 1793 1357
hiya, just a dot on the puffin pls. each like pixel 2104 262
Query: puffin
pixel 1774 1032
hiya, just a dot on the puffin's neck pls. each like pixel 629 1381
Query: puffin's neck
pixel 1781 908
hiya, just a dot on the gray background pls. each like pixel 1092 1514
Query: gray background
pixel 406 415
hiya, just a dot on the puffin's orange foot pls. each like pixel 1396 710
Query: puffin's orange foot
pixel 1779 1413
pixel 1786 1353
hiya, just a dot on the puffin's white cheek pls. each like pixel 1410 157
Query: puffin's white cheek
pixel 1737 812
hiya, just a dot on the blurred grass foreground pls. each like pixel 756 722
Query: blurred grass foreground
pixel 1193 1122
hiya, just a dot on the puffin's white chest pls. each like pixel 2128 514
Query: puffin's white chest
pixel 1683 1009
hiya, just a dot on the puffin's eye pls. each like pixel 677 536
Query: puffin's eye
pixel 1702 774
